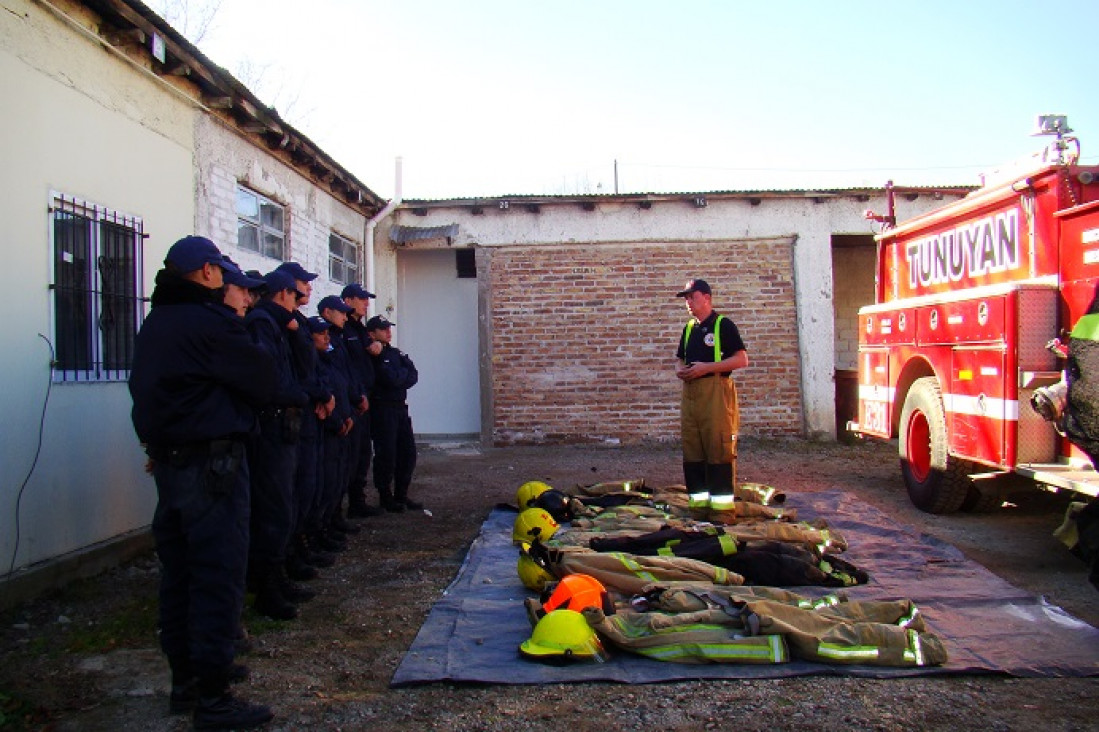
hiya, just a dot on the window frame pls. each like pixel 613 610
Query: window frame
pixel 259 226
pixel 351 270
pixel 99 348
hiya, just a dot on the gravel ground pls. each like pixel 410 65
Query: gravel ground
pixel 85 658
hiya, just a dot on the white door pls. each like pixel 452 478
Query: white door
pixel 436 321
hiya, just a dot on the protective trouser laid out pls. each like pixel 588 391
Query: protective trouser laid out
pixel 685 637
pixel 828 629
pixel 633 520
pixel 759 562
pixel 717 625
pixel 628 574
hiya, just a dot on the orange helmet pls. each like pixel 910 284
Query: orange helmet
pixel 576 592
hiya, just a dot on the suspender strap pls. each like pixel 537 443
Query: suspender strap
pixel 717 336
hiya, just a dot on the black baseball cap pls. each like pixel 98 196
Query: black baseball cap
pixel 378 322
pixel 694 286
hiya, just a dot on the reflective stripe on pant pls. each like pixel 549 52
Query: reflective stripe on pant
pixel 709 419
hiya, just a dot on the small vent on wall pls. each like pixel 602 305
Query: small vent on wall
pixel 466 262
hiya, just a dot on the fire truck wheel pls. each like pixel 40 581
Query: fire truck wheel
pixel 937 481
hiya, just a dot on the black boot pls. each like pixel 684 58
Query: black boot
pixel 270 601
pixel 339 523
pixel 297 568
pixel 293 592
pixel 228 712
pixel 364 510
pixel 313 554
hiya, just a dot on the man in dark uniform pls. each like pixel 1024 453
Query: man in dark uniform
pixel 305 545
pixel 196 382
pixel 394 442
pixel 273 454
pixel 337 428
pixel 360 348
pixel 710 349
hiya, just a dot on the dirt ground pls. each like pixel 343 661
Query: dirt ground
pixel 86 658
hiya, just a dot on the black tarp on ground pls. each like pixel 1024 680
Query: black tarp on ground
pixel 988 626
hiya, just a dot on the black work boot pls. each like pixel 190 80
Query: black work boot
pixel 293 592
pixel 228 712
pixel 297 568
pixel 339 523
pixel 409 503
pixel 270 601
pixel 364 510
pixel 313 554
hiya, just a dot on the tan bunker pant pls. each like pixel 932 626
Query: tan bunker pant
pixel 709 420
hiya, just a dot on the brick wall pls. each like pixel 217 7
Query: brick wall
pixel 583 337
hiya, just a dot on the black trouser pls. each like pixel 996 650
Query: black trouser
pixel 307 479
pixel 362 450
pixel 272 462
pixel 335 468
pixel 201 528
pixel 394 450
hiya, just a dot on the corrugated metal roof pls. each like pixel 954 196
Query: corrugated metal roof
pixel 404 234
pixel 670 195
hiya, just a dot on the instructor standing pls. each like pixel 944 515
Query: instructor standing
pixel 710 349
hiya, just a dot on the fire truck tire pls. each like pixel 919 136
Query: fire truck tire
pixel 937 482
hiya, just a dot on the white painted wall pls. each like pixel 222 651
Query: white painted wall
pixel 811 219
pixel 437 326
pixel 81 121
pixel 224 159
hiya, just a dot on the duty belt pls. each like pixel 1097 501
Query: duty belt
pixel 188 451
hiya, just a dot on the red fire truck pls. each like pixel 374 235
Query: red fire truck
pixel 968 299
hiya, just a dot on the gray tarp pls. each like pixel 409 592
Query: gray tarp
pixel 988 625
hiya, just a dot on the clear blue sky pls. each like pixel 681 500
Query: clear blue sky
pixel 490 97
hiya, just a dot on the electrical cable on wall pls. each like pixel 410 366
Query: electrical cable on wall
pixel 34 463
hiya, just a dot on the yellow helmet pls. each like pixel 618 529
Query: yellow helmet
pixel 528 492
pixel 532 574
pixel 531 524
pixel 563 635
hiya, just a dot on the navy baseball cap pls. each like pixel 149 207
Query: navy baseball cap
pixel 297 271
pixel 378 322
pixel 234 276
pixel 317 324
pixel 356 290
pixel 191 252
pixel 694 286
pixel 278 280
pixel 331 301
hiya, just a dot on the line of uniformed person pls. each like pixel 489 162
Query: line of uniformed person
pixel 257 422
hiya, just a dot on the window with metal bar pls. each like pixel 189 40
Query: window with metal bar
pixel 343 259
pixel 98 299
pixel 261 224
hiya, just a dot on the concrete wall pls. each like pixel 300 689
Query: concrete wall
pixel 81 121
pixel 584 280
pixel 224 159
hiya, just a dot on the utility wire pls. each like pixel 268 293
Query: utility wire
pixel 34 463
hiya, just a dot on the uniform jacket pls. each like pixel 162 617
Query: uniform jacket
pixel 196 373
pixel 267 326
pixel 357 340
pixel 335 372
pixel 394 375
